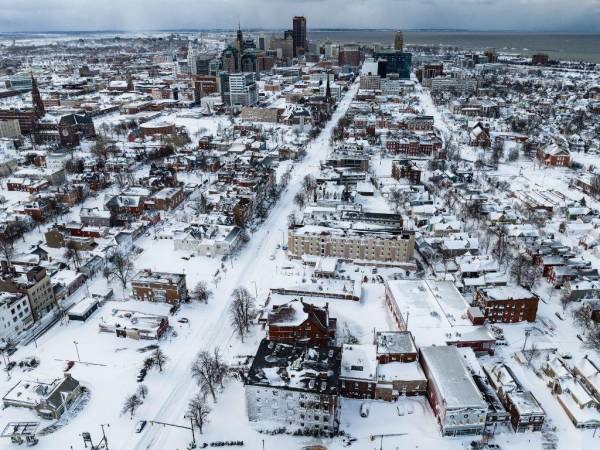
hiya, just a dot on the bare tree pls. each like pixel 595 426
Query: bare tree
pixel 592 339
pixel 219 366
pixel 72 253
pixel 500 250
pixel 142 391
pixel 199 411
pixel 582 316
pixel 241 311
pixel 309 183
pixel 565 299
pixel 349 337
pixel 208 373
pixel 123 179
pixel 132 403
pixel 160 359
pixel 396 197
pixel 595 185
pixel 7 249
pixel 100 149
pixel 121 268
pixel 291 220
pixel 519 267
pixel 532 353
pixel 300 199
pixel 201 292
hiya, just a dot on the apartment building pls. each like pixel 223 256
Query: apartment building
pixel 351 243
pixel 295 386
pixel 239 89
pixel 36 285
pixel 507 304
pixel 159 287
pixel 15 314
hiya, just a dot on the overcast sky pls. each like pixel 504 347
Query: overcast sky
pixel 533 15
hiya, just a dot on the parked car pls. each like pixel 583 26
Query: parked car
pixel 140 426
pixel 364 410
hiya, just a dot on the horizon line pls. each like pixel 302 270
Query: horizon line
pixel 316 29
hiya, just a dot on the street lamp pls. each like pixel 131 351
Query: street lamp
pixel 77 350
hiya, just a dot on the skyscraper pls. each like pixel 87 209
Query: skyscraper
pixel 299 34
pixel 399 41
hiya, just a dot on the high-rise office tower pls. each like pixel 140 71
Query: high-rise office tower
pixel 399 41
pixel 299 34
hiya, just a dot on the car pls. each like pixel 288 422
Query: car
pixel 183 320
pixel 140 426
pixel 567 355
pixel 284 248
pixel 70 364
pixel 272 257
pixel 374 270
pixel 364 410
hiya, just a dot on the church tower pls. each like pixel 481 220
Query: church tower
pixel 36 99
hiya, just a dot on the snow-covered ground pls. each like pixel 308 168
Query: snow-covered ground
pixel 119 361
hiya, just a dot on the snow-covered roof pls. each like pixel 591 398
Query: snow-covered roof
pixel 449 374
pixel 359 361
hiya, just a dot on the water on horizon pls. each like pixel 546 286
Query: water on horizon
pixel 561 46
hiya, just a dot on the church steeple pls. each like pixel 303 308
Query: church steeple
pixel 36 99
pixel 240 38
pixel 328 89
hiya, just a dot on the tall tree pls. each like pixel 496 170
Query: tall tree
pixel 121 268
pixel 160 359
pixel 132 403
pixel 241 311
pixel 201 292
pixel 203 370
pixel 199 411
pixel 7 249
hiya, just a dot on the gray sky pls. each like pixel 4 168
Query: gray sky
pixel 534 15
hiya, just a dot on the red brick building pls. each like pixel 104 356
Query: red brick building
pixel 159 287
pixel 553 155
pixel 507 304
pixel 297 322
pixel 167 199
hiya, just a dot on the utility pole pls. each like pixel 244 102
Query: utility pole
pixel 104 434
pixel 192 428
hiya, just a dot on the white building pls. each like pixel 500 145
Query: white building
pixel 452 392
pixel 351 243
pixel 294 386
pixel 57 161
pixel 15 314
pixel 243 89
pixel 209 240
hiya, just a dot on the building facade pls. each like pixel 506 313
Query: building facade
pixel 159 287
pixel 351 244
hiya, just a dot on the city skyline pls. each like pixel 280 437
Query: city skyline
pixel 473 15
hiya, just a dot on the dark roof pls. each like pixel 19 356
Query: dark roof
pixel 296 367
